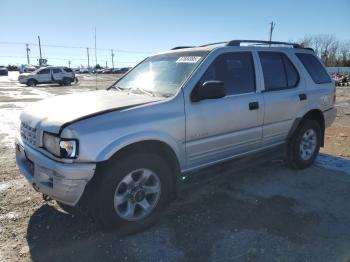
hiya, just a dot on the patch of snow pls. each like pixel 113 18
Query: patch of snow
pixel 9 215
pixel 9 125
pixel 4 186
pixel 334 163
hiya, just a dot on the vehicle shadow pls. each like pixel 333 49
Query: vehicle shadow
pixel 216 203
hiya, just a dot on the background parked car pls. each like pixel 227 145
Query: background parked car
pixel 107 71
pixel 27 68
pixel 12 68
pixel 50 74
pixel 122 70
pixel 3 71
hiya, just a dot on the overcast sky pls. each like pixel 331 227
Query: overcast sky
pixel 152 26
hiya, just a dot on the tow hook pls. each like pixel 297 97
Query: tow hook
pixel 46 198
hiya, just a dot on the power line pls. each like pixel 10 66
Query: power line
pixel 65 59
pixel 77 47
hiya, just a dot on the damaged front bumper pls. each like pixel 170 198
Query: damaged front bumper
pixel 64 182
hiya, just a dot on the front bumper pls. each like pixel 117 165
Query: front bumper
pixel 329 116
pixel 64 182
pixel 23 80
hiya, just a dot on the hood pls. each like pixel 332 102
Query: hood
pixel 25 74
pixel 51 113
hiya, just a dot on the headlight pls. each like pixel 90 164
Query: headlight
pixel 66 148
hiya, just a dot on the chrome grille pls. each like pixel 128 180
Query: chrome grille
pixel 28 134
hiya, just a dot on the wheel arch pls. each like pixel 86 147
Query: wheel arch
pixel 151 146
pixel 314 114
pixel 32 79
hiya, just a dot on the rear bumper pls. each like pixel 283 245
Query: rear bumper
pixel 64 182
pixel 329 116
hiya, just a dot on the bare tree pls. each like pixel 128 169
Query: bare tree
pixel 328 48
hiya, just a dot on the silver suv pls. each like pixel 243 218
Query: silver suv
pixel 122 151
pixel 46 75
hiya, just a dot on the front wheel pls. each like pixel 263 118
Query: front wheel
pixel 131 193
pixel 32 82
pixel 304 146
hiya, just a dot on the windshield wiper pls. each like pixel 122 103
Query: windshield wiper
pixel 119 88
pixel 147 92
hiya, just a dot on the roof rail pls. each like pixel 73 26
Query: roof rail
pixel 238 43
pixel 181 47
pixel 217 43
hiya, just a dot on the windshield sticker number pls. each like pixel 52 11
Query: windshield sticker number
pixel 188 59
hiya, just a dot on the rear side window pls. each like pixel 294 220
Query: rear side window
pixel 56 70
pixel 279 72
pixel 44 71
pixel 68 70
pixel 315 69
pixel 236 70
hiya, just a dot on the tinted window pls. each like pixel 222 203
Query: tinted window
pixel 236 70
pixel 44 71
pixel 56 70
pixel 279 72
pixel 292 74
pixel 273 70
pixel 68 70
pixel 315 69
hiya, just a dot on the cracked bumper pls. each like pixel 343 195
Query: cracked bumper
pixel 64 182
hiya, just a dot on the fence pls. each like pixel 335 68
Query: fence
pixel 338 70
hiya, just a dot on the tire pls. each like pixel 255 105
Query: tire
pixel 304 146
pixel 32 82
pixel 68 209
pixel 66 81
pixel 113 183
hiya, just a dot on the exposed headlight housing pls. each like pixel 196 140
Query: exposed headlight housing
pixel 60 147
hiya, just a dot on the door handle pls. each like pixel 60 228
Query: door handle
pixel 253 105
pixel 302 97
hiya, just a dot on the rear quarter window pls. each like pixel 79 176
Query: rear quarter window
pixel 314 67
pixel 68 70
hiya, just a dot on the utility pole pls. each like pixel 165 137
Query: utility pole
pixel 95 61
pixel 106 64
pixel 27 50
pixel 95 49
pixel 69 63
pixel 40 49
pixel 112 54
pixel 88 56
pixel 272 27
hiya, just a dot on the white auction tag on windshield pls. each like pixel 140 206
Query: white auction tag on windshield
pixel 188 59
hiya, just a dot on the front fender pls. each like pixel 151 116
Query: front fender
pixel 124 141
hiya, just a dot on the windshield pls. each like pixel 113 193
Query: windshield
pixel 161 75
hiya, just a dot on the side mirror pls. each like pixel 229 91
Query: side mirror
pixel 208 90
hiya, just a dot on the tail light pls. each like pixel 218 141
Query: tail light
pixel 334 98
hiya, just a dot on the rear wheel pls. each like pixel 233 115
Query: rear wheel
pixel 304 146
pixel 66 81
pixel 130 193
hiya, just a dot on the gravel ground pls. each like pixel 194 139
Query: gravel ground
pixel 228 213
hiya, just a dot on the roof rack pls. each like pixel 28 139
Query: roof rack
pixel 257 42
pixel 181 47
pixel 238 43
pixel 217 43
